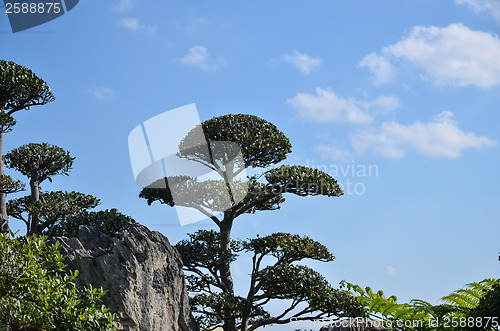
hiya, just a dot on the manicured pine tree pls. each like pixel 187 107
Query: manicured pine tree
pixel 208 255
pixel 20 89
pixel 40 162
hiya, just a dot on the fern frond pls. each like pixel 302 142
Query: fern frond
pixel 418 303
pixel 470 296
pixel 390 308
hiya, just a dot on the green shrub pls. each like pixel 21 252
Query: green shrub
pixel 36 293
pixel 110 222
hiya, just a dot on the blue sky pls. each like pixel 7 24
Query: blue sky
pixel 407 89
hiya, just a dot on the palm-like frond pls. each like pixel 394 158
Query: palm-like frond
pixel 471 294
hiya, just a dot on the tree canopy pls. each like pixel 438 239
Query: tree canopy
pixel 110 222
pixel 40 161
pixel 261 143
pixel 52 207
pixel 20 88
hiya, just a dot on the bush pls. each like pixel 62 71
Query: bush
pixel 36 293
pixel 110 222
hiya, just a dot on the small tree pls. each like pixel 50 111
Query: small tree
pixel 37 294
pixel 262 145
pixel 20 89
pixel 40 162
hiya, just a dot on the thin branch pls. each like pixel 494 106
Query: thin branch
pixel 208 165
pixel 289 309
pixel 202 275
pixel 263 302
pixel 204 212
pixel 259 284
pixel 21 107
pixel 287 320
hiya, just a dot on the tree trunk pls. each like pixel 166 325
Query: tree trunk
pixel 4 218
pixel 35 197
pixel 244 323
pixel 225 270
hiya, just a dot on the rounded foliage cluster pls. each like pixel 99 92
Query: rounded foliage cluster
pixel 52 206
pixel 9 185
pixel 21 88
pixel 41 158
pixel 303 181
pixel 261 143
pixel 288 247
pixel 203 248
pixel 109 222
pixel 7 122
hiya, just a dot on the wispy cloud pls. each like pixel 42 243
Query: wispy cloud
pixel 101 92
pixel 390 270
pixel 454 55
pixel 303 62
pixel 489 7
pixel 333 153
pixel 133 24
pixel 199 56
pixel 440 137
pixel 327 106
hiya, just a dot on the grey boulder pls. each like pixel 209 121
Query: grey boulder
pixel 141 273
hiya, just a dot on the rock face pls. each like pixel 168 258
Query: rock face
pixel 354 324
pixel 141 273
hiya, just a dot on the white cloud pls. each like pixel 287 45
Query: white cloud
pixel 390 270
pixel 380 66
pixel 133 24
pixel 200 57
pixel 333 153
pixel 439 138
pixel 326 106
pixel 454 55
pixel 491 7
pixel 123 5
pixel 303 62
pixel 101 92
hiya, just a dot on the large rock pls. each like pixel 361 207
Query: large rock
pixel 354 324
pixel 141 273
